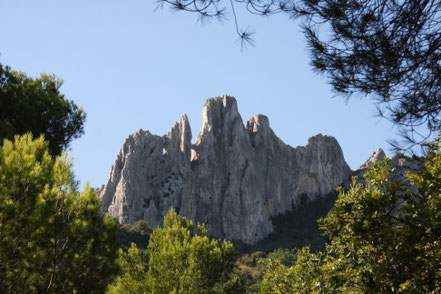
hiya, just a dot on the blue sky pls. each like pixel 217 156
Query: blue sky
pixel 132 68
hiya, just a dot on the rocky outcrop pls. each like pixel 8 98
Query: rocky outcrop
pixel 235 178
pixel 399 163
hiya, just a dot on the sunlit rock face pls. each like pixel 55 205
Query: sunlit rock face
pixel 400 165
pixel 235 178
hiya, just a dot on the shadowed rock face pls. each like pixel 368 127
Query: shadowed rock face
pixel 235 178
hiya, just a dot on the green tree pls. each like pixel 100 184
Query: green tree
pixel 305 276
pixel 37 106
pixel 134 268
pixel 384 236
pixel 179 261
pixel 184 262
pixel 138 233
pixel 387 50
pixel 52 238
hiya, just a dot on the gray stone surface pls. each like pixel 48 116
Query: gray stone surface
pixel 235 178
pixel 400 164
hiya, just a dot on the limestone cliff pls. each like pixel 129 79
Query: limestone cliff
pixel 235 178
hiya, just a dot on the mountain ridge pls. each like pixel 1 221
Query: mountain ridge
pixel 235 178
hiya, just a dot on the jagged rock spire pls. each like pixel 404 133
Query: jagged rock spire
pixel 235 178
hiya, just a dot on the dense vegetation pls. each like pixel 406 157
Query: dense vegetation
pixel 179 261
pixel 382 236
pixel 52 238
pixel 37 106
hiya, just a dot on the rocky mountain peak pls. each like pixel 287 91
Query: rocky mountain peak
pixel 376 156
pixel 218 114
pixel 235 178
pixel 258 123
pixel 400 165
pixel 179 138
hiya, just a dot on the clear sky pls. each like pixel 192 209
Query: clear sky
pixel 132 68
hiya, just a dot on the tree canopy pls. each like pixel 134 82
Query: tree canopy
pixel 183 262
pixel 387 50
pixel 52 238
pixel 180 261
pixel 134 272
pixel 383 236
pixel 37 106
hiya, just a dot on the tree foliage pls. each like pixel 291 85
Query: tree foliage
pixel 184 262
pixel 134 268
pixel 138 233
pixel 219 10
pixel 305 276
pixel 384 236
pixel 180 261
pixel 390 50
pixel 387 50
pixel 52 238
pixel 37 106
